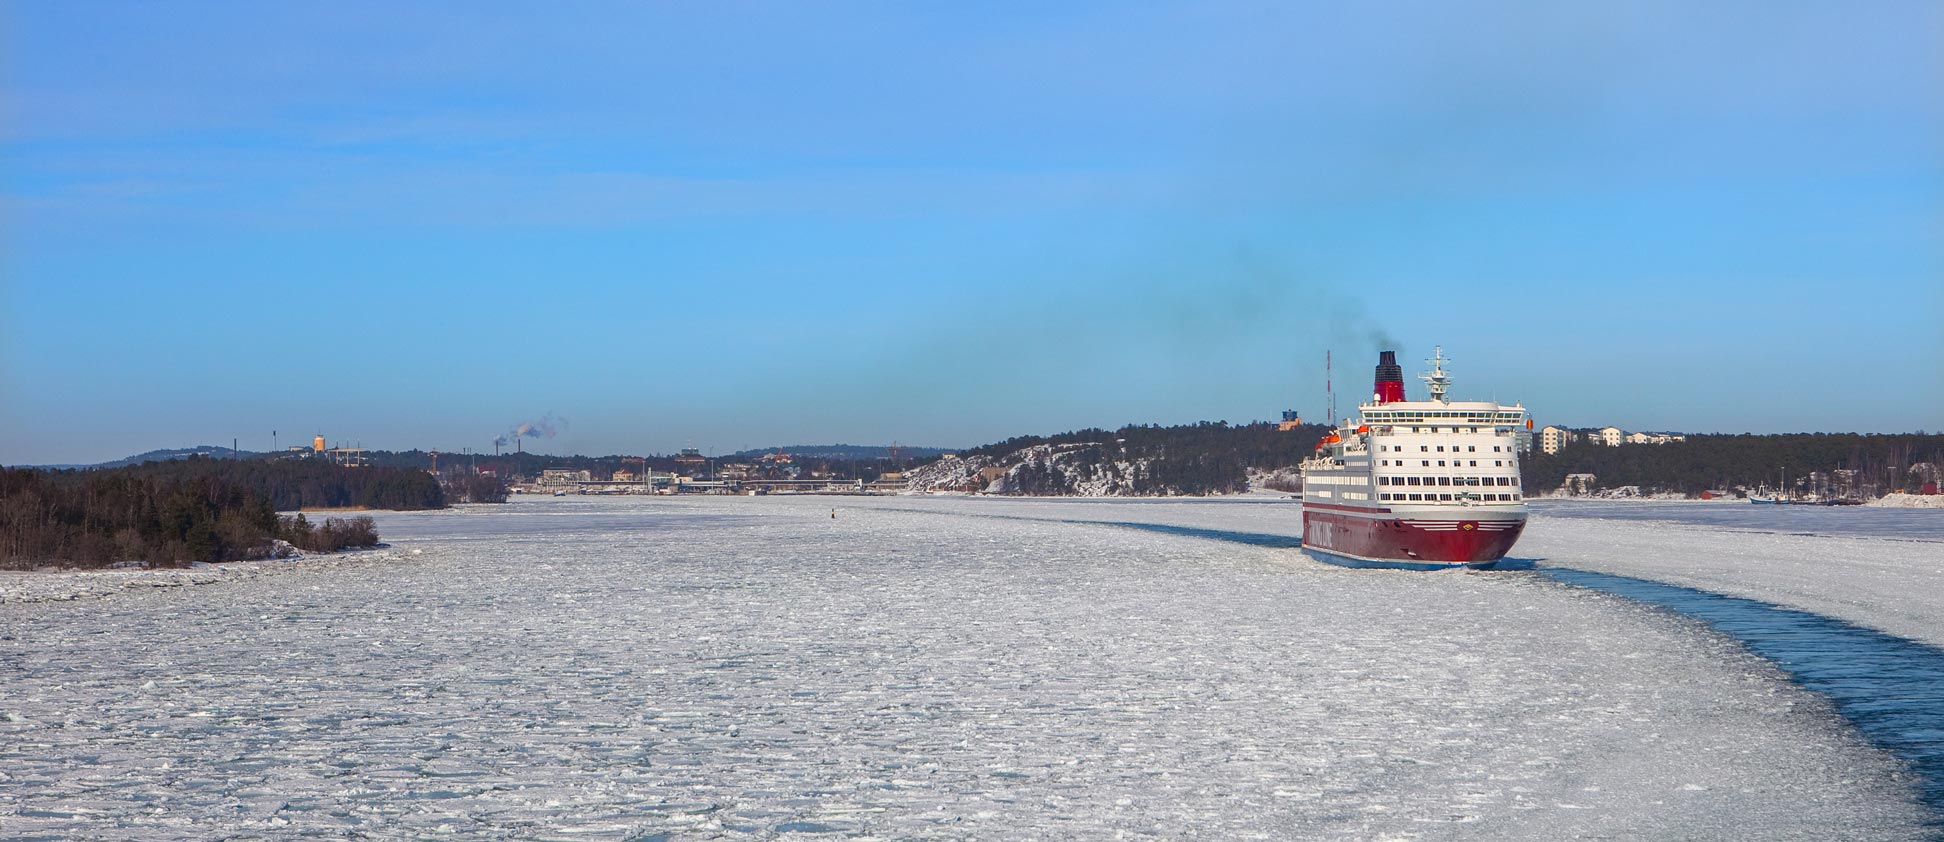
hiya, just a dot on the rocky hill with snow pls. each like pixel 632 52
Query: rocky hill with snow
pixel 1138 460
pixel 1046 470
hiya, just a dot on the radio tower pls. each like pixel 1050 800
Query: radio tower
pixel 1329 390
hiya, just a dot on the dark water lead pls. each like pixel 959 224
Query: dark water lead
pixel 1890 688
pixel 1260 539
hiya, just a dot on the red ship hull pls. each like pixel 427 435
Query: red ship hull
pixel 1445 539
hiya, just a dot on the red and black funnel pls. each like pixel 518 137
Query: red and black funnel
pixel 1390 378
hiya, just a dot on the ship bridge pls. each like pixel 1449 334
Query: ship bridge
pixel 1466 412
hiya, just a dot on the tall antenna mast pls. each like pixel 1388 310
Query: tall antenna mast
pixel 1437 379
pixel 1329 390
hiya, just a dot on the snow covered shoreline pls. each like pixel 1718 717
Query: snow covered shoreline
pixel 67 584
pixel 1909 501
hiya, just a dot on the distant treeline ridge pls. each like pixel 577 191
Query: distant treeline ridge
pixel 1214 457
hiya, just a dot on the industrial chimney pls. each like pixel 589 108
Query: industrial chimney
pixel 1390 378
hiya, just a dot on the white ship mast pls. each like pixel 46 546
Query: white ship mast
pixel 1437 380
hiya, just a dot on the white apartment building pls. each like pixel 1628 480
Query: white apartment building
pixel 1551 438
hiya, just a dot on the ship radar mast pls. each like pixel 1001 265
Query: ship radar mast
pixel 1438 380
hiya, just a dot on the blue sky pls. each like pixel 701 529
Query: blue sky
pixel 741 225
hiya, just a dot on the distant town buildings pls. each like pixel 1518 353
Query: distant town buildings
pixel 1552 439
pixel 564 476
pixel 350 457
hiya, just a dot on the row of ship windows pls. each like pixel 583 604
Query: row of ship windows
pixel 1426 463
pixel 1480 417
pixel 1323 480
pixel 1445 481
pixel 1425 448
pixel 1497 498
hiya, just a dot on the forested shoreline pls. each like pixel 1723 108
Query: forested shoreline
pixel 189 510
pixel 1215 458
pixel 1851 464
pixel 202 509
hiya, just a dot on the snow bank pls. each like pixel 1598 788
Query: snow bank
pixel 1909 501
pixel 63 585
pixel 1621 492
pixel 68 585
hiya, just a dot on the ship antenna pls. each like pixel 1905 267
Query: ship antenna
pixel 1437 379
pixel 1329 392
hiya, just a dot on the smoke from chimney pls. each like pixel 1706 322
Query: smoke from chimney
pixel 546 427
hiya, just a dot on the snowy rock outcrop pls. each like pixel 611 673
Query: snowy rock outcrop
pixel 1065 470
pixel 952 474
pixel 1280 479
pixel 1896 500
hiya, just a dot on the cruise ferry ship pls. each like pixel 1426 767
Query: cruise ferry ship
pixel 1421 485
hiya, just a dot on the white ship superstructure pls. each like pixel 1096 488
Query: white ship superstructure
pixel 1421 484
